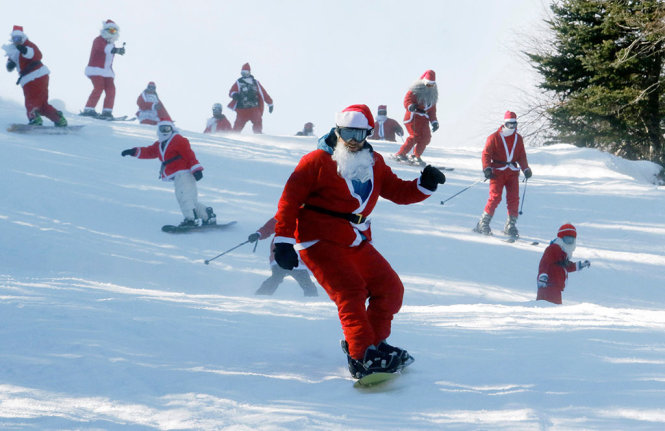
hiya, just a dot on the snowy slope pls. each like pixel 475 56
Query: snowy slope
pixel 108 323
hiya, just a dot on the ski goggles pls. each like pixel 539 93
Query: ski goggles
pixel 348 134
pixel 510 124
pixel 165 128
pixel 112 30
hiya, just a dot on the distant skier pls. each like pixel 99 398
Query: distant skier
pixel 33 75
pixel 218 122
pixel 386 128
pixel 249 98
pixel 301 275
pixel 100 70
pixel 307 130
pixel 179 165
pixel 420 103
pixel 503 152
pixel 151 109
pixel 323 211
pixel 556 264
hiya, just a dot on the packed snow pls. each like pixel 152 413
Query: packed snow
pixel 108 323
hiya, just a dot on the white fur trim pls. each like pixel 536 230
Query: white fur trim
pixel 282 239
pixel 353 119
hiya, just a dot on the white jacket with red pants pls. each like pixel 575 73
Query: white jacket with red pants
pixel 338 252
pixel 100 72
pixel 34 79
pixel 179 163
pixel 504 154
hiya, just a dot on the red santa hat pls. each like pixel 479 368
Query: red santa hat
pixel 567 230
pixel 429 77
pixel 152 84
pixel 18 31
pixel 382 108
pixel 355 116
pixel 510 116
pixel 246 67
pixel 109 23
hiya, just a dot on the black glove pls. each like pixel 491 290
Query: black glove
pixel 198 175
pixel 270 108
pixel 130 152
pixel 235 96
pixel 254 237
pixel 528 173
pixel 22 49
pixel 435 126
pixel 285 255
pixel 412 107
pixel 10 65
pixel 488 173
pixel 431 177
pixel 119 51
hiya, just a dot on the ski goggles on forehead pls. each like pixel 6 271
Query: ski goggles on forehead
pixel 348 134
pixel 165 128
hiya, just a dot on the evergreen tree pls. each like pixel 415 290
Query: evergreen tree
pixel 605 69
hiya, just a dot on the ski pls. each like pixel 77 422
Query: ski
pixel 375 379
pixel 42 130
pixel 170 228
pixel 101 117
pixel 408 162
pixel 510 239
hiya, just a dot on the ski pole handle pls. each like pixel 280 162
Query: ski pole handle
pixel 207 261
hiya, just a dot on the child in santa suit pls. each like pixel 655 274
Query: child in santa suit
pixel 556 264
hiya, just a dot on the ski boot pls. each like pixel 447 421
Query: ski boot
pixel 510 229
pixel 373 361
pixel 416 160
pixel 483 225
pixel 402 355
pixel 36 120
pixel 62 121
pixel 188 222
pixel 106 114
pixel 400 157
pixel 212 218
pixel 89 112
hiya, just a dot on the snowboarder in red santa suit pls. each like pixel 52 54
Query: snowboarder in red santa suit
pixel 249 98
pixel 420 103
pixel 385 129
pixel 323 212
pixel 556 264
pixel 179 165
pixel 218 122
pixel 503 157
pixel 33 75
pixel 100 70
pixel 151 109
pixel 301 274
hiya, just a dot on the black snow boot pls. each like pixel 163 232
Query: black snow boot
pixel 483 225
pixel 510 229
pixel 374 361
pixel 212 218
pixel 402 355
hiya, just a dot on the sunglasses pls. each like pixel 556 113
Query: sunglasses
pixel 347 134
pixel 510 125
pixel 165 129
pixel 112 30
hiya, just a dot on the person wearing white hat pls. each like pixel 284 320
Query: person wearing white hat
pixel 323 212
pixel 33 76
pixel 218 122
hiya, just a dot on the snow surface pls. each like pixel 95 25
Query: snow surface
pixel 108 323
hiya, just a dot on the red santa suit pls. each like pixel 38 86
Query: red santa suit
pixel 151 109
pixel 249 99
pixel 339 252
pixel 33 76
pixel 556 264
pixel 100 68
pixel 385 129
pixel 216 125
pixel 420 103
pixel 503 154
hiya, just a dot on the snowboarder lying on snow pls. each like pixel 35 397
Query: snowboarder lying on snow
pixel 301 275
pixel 555 265
pixel 179 165
pixel 323 211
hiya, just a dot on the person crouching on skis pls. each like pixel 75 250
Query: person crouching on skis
pixel 556 264
pixel 323 212
pixel 179 165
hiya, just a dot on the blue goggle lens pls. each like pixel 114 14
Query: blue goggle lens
pixel 348 134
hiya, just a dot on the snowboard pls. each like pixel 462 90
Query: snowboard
pixel 42 130
pixel 408 162
pixel 170 228
pixel 375 379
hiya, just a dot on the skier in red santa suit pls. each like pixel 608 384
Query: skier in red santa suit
pixel 100 70
pixel 385 129
pixel 151 109
pixel 249 99
pixel 556 264
pixel 179 164
pixel 33 75
pixel 503 157
pixel 218 122
pixel 420 103
pixel 323 212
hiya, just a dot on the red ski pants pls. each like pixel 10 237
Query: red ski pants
pixel 36 99
pixel 351 276
pixel 419 136
pixel 249 114
pixel 101 84
pixel 510 180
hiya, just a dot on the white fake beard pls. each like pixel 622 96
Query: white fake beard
pixel 353 166
pixel 425 95
pixel 507 132
pixel 567 248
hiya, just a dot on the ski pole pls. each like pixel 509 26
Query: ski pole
pixel 463 190
pixel 523 194
pixel 222 254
